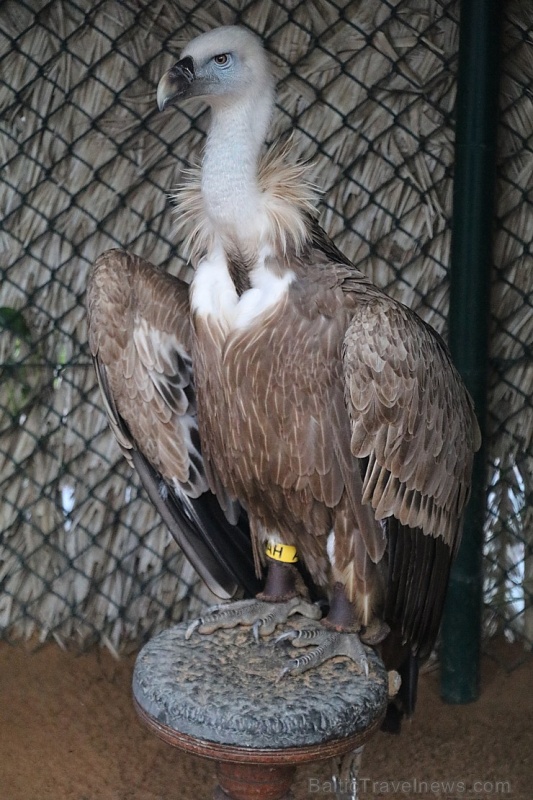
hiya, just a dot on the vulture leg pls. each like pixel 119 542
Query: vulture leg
pixel 326 643
pixel 272 607
pixel 338 634
pixel 263 617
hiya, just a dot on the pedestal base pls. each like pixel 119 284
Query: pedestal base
pixel 219 697
pixel 247 781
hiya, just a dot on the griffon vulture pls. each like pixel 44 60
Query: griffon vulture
pixel 282 382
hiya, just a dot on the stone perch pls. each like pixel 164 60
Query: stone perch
pixel 219 697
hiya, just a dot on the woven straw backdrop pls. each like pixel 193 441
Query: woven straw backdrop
pixel 88 163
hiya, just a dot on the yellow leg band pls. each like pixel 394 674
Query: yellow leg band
pixel 282 552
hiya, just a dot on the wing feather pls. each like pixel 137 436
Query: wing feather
pixel 411 417
pixel 413 423
pixel 139 336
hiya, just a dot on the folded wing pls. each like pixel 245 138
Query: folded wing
pixel 139 336
pixel 414 429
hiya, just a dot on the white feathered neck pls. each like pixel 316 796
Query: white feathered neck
pixel 239 200
pixel 280 193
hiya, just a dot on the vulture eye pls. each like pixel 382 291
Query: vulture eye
pixel 222 60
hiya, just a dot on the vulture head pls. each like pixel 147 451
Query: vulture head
pixel 222 66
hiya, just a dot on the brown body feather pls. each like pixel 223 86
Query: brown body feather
pixel 337 410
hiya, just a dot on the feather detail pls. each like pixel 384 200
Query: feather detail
pixel 288 198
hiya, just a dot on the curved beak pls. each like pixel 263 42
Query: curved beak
pixel 176 82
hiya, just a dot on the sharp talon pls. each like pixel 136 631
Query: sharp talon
pixel 195 624
pixel 287 635
pixel 283 672
pixel 255 630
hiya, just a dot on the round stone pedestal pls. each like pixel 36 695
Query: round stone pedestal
pixel 220 697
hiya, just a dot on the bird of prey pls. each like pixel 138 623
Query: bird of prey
pixel 282 387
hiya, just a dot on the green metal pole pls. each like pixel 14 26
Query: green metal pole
pixel 471 258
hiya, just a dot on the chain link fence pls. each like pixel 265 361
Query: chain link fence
pixel 88 163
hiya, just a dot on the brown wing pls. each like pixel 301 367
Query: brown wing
pixel 139 336
pixel 414 428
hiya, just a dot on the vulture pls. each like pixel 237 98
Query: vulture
pixel 282 410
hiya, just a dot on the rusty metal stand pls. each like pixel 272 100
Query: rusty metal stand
pixel 219 697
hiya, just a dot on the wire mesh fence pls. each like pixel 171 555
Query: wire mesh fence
pixel 509 535
pixel 88 163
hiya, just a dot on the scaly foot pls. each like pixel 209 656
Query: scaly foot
pixel 262 616
pixel 326 644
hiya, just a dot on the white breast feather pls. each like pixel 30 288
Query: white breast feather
pixel 213 293
pixel 267 290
